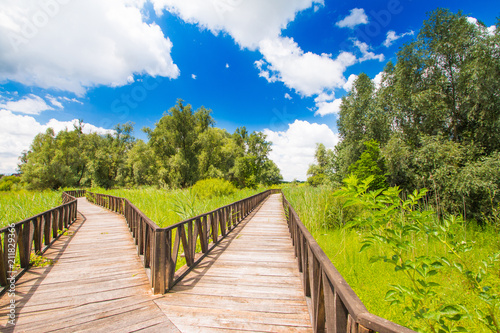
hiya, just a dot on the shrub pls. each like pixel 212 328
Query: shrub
pixel 213 187
pixel 9 182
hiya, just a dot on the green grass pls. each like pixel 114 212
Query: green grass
pixel 16 206
pixel 167 207
pixel 371 281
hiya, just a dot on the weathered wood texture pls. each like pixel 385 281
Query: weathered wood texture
pixel 244 272
pixel 33 235
pixel 334 306
pixel 192 238
pixel 249 282
pixel 97 283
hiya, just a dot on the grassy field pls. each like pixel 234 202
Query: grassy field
pixel 371 281
pixel 16 206
pixel 168 207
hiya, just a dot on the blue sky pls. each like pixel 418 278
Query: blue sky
pixel 278 66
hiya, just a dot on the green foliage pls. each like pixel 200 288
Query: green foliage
pixel 398 224
pixel 175 140
pixel 40 261
pixel 370 164
pixel 183 148
pixel 320 173
pixel 373 280
pixel 436 116
pixel 8 183
pixel 208 188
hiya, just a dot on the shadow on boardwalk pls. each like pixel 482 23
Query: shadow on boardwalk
pixel 249 282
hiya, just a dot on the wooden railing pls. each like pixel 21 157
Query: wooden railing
pixel 334 307
pixel 160 248
pixel 33 235
pixel 115 204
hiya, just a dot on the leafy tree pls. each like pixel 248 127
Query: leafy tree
pixel 38 166
pixel 370 164
pixel 319 173
pixel 183 148
pixel 141 165
pixel 436 116
pixel 271 174
pixel 175 141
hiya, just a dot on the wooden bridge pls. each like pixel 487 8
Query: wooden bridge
pixel 250 266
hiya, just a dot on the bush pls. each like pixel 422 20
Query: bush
pixel 213 187
pixel 9 182
pixel 337 214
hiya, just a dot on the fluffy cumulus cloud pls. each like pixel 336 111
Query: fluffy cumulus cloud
pixel 356 17
pixel 377 80
pixel 392 37
pixel 305 72
pixel 491 29
pixel 73 45
pixel 30 104
pixel 366 54
pixel 327 104
pixel 18 131
pixel 350 82
pixel 293 149
pixel 248 22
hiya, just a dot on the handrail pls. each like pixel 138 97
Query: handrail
pixel 160 247
pixel 335 307
pixel 34 234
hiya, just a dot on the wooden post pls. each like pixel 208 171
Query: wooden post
pixel 3 263
pixel 341 314
pixel 159 267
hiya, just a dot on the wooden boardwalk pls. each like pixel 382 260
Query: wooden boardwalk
pixel 248 283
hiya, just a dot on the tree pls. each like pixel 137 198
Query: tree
pixel 141 165
pixel 320 173
pixel 370 164
pixel 360 119
pixel 175 141
pixel 436 116
pixel 42 166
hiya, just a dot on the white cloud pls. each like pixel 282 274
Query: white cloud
pixel 193 76
pixel 377 80
pixel 367 55
pixel 392 36
pixel 18 132
pixel 227 65
pixel 248 22
pixel 293 149
pixel 30 104
pixel 305 72
pixel 356 17
pixel 327 104
pixel 74 45
pixel 257 25
pixel 490 30
pixel 287 96
pixel 54 101
pixel 74 100
pixel 350 81
pixel 472 20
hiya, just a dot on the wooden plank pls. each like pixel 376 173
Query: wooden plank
pixel 245 283
pixel 249 282
pixel 82 288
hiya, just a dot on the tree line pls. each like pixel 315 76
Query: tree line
pixel 434 121
pixel 183 147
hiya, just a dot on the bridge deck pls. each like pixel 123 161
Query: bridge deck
pixel 248 283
